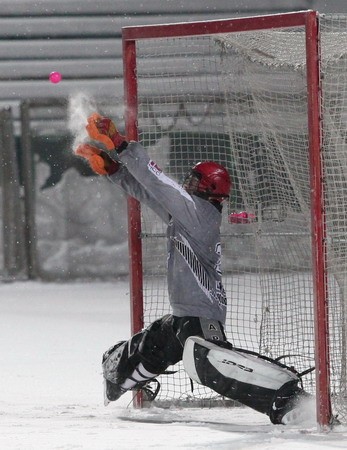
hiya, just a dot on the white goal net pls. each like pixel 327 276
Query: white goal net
pixel 241 99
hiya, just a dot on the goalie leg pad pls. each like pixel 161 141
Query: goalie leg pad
pixel 240 376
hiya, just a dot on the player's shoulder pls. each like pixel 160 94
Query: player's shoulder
pixel 207 205
pixel 208 211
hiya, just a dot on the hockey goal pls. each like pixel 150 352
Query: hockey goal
pixel 267 97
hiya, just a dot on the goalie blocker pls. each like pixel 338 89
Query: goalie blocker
pixel 262 384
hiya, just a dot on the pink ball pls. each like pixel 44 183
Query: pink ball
pixel 55 77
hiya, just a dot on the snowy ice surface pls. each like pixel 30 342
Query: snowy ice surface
pixel 52 337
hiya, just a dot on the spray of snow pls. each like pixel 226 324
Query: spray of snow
pixel 80 108
pixel 308 406
pixel 303 414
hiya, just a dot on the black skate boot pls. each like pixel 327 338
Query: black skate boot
pixel 119 364
pixel 292 406
pixel 112 391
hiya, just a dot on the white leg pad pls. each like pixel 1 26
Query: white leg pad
pixel 247 378
pixel 243 367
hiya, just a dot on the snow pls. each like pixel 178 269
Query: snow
pixel 52 336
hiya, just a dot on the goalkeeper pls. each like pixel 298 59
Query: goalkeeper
pixel 194 331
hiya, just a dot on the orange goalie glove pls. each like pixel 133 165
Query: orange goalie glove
pixel 103 130
pixel 98 160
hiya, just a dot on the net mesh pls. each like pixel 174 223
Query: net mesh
pixel 241 99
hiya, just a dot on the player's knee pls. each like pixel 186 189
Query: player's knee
pixel 160 347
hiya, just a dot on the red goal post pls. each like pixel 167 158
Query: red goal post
pixel 307 22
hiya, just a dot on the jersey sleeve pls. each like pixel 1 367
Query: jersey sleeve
pixel 160 188
pixel 125 180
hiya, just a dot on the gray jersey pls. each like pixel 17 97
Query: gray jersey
pixel 194 250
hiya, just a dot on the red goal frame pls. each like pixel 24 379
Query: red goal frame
pixel 308 20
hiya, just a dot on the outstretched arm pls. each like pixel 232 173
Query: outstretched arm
pixel 102 164
pixel 154 185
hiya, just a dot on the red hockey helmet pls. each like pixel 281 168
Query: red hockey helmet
pixel 209 180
